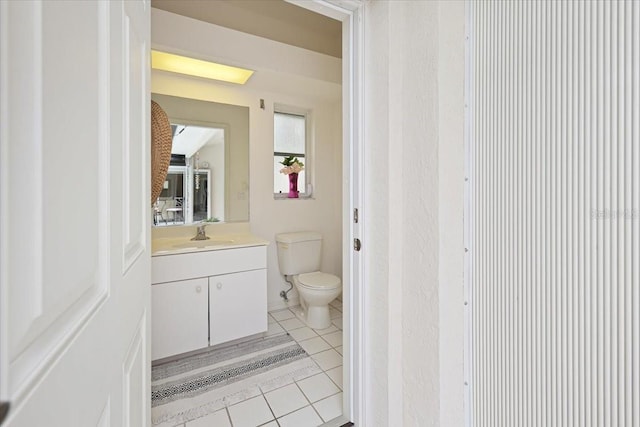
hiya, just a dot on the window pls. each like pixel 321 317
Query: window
pixel 290 139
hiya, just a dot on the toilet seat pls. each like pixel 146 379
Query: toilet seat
pixel 319 280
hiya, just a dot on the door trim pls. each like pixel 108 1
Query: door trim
pixel 351 12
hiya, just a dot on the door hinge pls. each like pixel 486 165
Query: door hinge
pixel 355 215
pixel 357 245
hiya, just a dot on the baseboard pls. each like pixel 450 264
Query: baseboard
pixel 340 421
pixel 282 304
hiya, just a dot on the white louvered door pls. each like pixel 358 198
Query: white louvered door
pixel 553 213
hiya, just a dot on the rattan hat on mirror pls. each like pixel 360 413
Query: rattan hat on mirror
pixel 161 139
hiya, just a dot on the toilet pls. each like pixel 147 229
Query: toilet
pixel 299 257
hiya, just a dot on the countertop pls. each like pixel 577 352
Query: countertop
pixel 181 245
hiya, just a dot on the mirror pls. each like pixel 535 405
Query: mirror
pixel 208 177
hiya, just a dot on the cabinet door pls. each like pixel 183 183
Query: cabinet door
pixel 237 305
pixel 179 317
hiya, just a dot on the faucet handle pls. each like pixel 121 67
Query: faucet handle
pixel 201 233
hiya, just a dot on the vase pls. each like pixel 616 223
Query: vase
pixel 293 185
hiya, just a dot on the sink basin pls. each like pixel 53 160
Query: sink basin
pixel 198 244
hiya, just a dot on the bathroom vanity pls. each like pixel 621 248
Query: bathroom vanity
pixel 207 292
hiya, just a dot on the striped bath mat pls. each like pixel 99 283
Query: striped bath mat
pixel 198 385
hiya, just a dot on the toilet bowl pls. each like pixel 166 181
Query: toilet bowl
pixel 299 257
pixel 316 291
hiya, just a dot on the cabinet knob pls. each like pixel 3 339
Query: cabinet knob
pixel 219 285
pixel 198 289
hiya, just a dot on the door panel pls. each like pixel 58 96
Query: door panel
pixel 135 167
pixel 179 307
pixel 45 314
pixel 134 384
pixel 74 337
pixel 237 305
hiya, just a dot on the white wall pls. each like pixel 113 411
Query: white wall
pixel 289 76
pixel 414 174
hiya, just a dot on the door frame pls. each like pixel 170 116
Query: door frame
pixel 468 215
pixel 351 14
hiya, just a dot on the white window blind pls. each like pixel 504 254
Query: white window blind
pixel 290 139
pixel 553 213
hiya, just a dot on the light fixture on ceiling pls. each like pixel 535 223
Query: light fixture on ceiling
pixel 196 67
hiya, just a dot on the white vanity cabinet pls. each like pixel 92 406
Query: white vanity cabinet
pixel 207 298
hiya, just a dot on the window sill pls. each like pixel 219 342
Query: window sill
pixel 284 196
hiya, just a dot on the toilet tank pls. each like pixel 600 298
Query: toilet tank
pixel 299 252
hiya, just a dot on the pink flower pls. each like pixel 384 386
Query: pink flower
pixel 294 168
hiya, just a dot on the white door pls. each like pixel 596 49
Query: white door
pixel 74 213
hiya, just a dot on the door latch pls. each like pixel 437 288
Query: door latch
pixel 357 245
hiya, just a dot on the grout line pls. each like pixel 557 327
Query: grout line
pixel 325 398
pixel 301 391
pixel 277 388
pixel 226 410
pixel 269 406
pixel 318 413
pixel 328 343
pixel 295 410
pixel 334 383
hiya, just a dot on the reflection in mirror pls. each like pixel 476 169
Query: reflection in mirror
pixel 208 177
pixel 189 194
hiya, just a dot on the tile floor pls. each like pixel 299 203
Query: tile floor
pixel 308 402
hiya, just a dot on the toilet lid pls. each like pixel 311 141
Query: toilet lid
pixel 318 279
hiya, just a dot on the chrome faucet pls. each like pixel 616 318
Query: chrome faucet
pixel 201 234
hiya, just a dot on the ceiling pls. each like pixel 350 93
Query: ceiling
pixel 272 19
pixel 188 139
